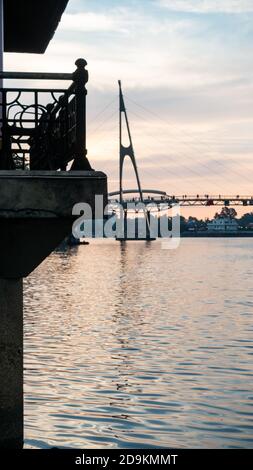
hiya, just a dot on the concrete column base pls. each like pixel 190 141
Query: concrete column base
pixel 11 363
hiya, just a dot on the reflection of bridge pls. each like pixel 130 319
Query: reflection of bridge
pixel 157 197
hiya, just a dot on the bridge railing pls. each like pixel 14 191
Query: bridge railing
pixel 44 128
pixel 185 200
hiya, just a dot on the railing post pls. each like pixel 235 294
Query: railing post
pixel 80 78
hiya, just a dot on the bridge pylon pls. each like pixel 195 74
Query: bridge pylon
pixel 126 151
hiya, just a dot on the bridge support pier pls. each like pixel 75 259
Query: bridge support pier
pixel 35 217
pixel 11 360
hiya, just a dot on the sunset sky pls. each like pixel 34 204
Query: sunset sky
pixel 187 72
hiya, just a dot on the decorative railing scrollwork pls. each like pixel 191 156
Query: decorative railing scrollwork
pixel 41 128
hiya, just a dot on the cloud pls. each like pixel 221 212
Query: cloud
pixel 192 74
pixel 120 20
pixel 208 6
pixel 90 22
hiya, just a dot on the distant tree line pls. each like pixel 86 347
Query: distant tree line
pixel 193 223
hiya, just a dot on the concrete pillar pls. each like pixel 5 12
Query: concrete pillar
pixel 148 224
pixel 11 363
pixel 1 55
pixel 11 340
pixel 1 35
pixel 45 199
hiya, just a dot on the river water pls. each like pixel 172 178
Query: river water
pixel 134 346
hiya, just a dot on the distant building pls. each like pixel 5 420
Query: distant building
pixel 222 224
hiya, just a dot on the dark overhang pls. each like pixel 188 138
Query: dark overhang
pixel 29 25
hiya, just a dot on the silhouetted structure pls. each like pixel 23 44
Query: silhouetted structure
pixel 128 152
pixel 29 25
pixel 39 140
pixel 44 136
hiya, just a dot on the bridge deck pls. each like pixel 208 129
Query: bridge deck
pixel 184 200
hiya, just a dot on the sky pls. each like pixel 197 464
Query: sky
pixel 187 73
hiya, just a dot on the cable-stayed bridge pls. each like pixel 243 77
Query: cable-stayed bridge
pixel 159 198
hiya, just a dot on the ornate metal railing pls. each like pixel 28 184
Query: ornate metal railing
pixel 42 128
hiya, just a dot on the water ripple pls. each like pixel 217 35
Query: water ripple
pixel 134 346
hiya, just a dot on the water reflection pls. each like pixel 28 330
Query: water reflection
pixel 128 345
